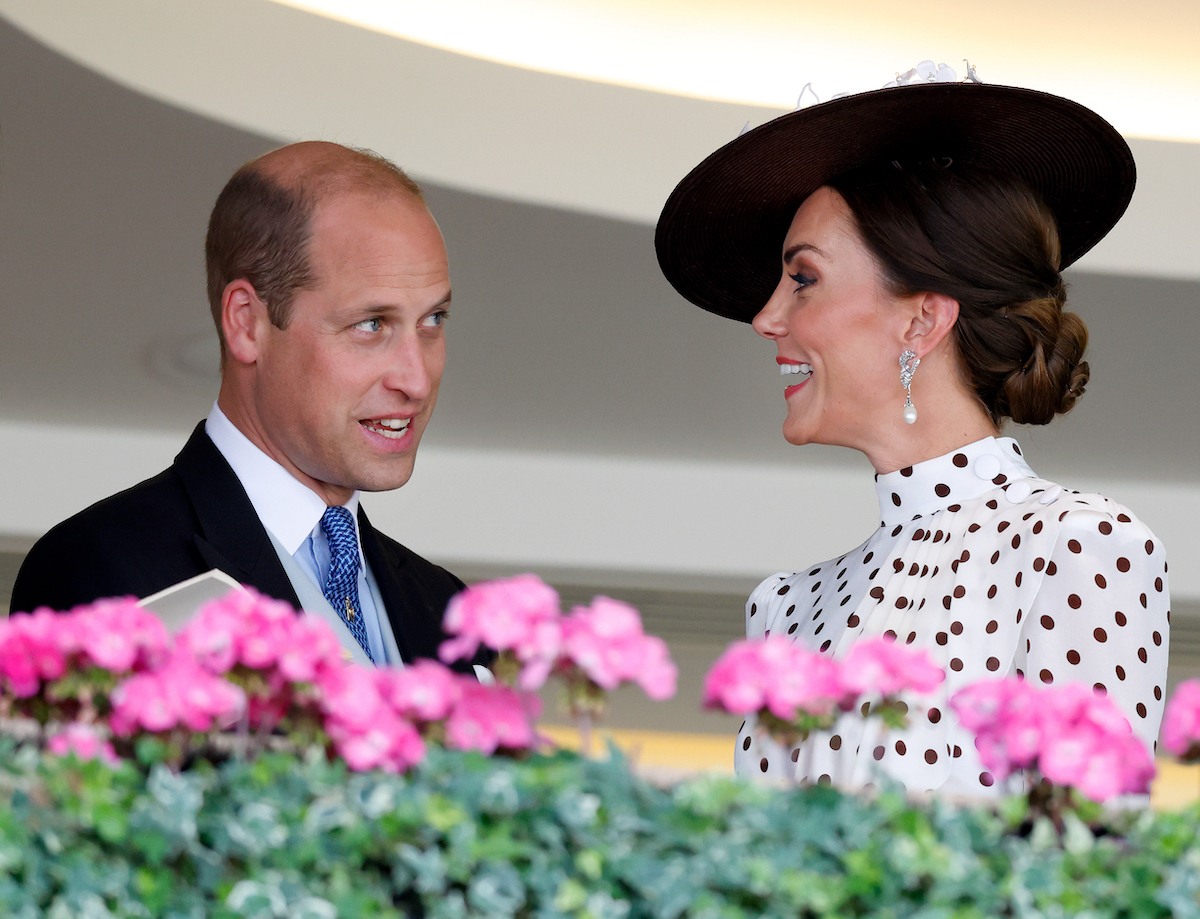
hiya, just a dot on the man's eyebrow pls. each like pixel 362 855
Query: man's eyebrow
pixel 792 251
pixel 383 309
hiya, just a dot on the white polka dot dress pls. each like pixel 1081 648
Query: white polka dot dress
pixel 996 573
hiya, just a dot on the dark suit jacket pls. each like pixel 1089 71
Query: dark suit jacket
pixel 196 516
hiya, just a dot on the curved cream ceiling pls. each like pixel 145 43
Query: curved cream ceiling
pixel 1137 64
pixel 611 148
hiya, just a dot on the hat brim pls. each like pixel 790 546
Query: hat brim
pixel 720 233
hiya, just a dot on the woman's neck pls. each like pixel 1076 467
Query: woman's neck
pixel 947 418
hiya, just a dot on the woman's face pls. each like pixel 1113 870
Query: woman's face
pixel 838 332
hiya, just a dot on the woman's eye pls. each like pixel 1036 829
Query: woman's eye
pixel 435 319
pixel 802 280
pixel 369 325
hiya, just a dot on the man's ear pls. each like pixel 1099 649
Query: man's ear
pixel 932 316
pixel 243 320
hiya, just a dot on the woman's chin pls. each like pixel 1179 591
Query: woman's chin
pixel 798 434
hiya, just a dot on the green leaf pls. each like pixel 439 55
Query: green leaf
pixel 571 896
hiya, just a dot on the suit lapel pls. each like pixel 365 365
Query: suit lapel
pixel 230 536
pixel 415 624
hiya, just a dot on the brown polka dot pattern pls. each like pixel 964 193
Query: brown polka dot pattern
pixel 1022 577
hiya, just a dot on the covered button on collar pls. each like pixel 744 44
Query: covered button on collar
pixel 1018 491
pixel 987 466
pixel 1051 495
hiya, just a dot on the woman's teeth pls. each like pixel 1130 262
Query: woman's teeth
pixel 393 428
pixel 786 369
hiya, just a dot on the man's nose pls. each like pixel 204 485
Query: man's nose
pixel 412 368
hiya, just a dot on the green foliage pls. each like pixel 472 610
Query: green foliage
pixel 549 837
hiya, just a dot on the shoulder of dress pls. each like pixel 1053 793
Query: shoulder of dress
pixel 769 587
pixel 775 588
pixel 1087 513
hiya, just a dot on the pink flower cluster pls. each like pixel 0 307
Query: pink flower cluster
pixel 1181 722
pixel 521 617
pixel 780 677
pixel 85 742
pixel 249 630
pixel 1068 733
pixel 606 642
pixel 262 645
pixel 473 716
pixel 115 635
pixel 777 675
pixel 880 666
pixel 251 662
pixel 181 694
pixel 366 730
pixel 486 718
pixel 377 719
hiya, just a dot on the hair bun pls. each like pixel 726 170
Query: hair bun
pixel 1055 374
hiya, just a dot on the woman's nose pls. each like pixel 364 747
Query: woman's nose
pixel 771 321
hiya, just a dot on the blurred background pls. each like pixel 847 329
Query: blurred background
pixel 593 427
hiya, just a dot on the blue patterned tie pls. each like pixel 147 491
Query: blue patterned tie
pixel 341 586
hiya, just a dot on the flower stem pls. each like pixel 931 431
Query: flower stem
pixel 584 721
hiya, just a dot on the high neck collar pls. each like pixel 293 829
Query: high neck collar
pixel 957 476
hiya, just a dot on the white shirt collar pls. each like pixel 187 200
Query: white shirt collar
pixel 285 505
pixel 960 475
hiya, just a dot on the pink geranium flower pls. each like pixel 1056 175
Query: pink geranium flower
pixel 812 684
pixel 368 731
pixel 774 674
pixel 118 635
pixel 520 615
pixel 390 744
pixel 734 683
pixel 487 718
pixel 350 695
pixel 883 667
pixel 247 629
pixel 1181 722
pixel 181 694
pixel 369 714
pixel 1071 735
pixel 309 647
pixel 31 651
pixel 85 742
pixel 606 642
pixel 266 647
pixel 114 635
pixel 424 691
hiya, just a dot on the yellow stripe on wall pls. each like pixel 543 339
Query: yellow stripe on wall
pixel 672 755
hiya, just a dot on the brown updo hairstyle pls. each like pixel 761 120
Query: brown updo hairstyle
pixel 983 238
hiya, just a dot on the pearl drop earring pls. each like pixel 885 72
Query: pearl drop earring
pixel 909 362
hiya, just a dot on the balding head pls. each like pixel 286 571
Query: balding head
pixel 260 226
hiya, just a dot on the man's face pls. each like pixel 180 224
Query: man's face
pixel 343 394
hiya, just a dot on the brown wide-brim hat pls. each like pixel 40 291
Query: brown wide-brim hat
pixel 720 236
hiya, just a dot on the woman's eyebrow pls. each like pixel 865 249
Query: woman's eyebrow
pixel 792 251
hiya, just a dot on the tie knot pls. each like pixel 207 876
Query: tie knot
pixel 338 526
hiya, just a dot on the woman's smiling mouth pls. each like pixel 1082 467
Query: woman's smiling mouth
pixel 790 368
pixel 787 369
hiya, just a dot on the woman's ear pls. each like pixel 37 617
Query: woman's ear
pixel 932 316
pixel 243 315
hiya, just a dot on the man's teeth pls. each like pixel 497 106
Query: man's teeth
pixel 390 427
pixel 786 369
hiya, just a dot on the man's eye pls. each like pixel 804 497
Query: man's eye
pixel 368 325
pixel 436 319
